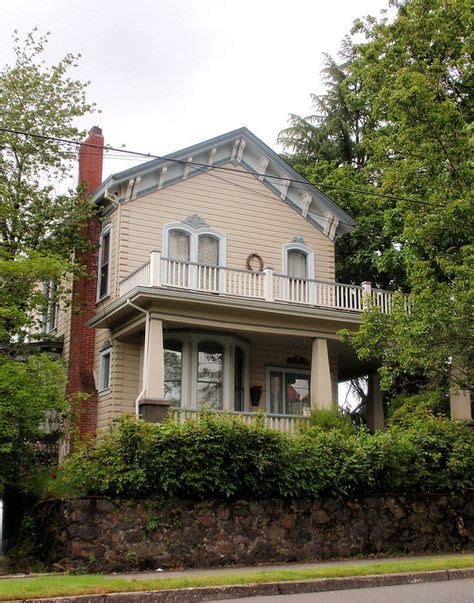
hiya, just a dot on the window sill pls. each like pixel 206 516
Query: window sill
pixel 104 392
pixel 102 299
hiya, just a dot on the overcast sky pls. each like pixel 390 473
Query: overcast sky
pixel 167 74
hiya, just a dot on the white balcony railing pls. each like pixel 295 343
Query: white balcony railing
pixel 286 423
pixel 265 285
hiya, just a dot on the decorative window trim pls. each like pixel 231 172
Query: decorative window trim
pixel 298 244
pixel 107 230
pixel 105 377
pixel 194 234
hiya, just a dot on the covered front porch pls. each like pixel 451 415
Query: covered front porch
pixel 195 356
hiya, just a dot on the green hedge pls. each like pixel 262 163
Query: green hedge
pixel 219 457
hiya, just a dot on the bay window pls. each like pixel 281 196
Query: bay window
pixel 173 371
pixel 209 375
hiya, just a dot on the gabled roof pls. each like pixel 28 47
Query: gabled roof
pixel 241 148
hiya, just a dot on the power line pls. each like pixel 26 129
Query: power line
pixel 214 167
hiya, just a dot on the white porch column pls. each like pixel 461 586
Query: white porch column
pixel 460 404
pixel 375 414
pixel 321 387
pixel 153 406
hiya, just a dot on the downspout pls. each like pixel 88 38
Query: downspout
pixel 145 355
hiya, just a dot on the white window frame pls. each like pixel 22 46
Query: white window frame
pixel 310 273
pixel 103 386
pixel 194 234
pixel 50 314
pixel 283 370
pixel 107 230
pixel 304 249
pixel 190 342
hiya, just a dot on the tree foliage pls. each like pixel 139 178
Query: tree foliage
pixel 28 389
pixel 39 225
pixel 410 78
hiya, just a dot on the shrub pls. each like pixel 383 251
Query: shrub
pixel 219 457
pixel 328 419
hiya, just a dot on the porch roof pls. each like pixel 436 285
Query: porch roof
pixel 225 312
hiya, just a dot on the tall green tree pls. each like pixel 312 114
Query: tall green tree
pixel 417 74
pixel 410 77
pixel 39 226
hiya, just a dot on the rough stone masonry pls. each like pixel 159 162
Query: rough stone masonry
pixel 116 535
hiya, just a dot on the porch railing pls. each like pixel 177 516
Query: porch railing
pixel 286 423
pixel 265 285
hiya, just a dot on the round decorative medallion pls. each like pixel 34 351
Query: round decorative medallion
pixel 255 262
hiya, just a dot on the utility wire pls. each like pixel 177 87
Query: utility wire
pixel 214 167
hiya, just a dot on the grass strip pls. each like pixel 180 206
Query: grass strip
pixel 51 586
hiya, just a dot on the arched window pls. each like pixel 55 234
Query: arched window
pixel 297 263
pixel 298 266
pixel 208 250
pixel 194 254
pixel 179 245
pixel 210 374
pixel 173 371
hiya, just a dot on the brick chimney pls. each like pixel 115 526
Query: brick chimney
pixel 82 338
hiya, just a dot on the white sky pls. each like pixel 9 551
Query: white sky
pixel 170 74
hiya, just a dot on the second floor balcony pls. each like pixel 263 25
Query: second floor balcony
pixel 266 285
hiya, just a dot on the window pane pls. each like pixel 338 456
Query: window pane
pixel 104 280
pixel 297 394
pixel 208 250
pixel 178 245
pixel 276 393
pixel 209 394
pixel 239 380
pixel 209 377
pixel 297 264
pixel 210 358
pixel 105 249
pixel 105 371
pixel 104 265
pixel 173 371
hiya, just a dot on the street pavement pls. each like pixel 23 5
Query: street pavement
pixel 452 591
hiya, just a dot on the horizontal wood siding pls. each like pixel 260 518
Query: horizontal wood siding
pixel 254 219
pixel 124 382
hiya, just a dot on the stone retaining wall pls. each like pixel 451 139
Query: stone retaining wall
pixel 111 535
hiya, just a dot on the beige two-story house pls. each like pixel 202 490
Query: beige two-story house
pixel 216 289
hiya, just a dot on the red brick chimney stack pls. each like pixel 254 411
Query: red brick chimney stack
pixel 91 159
pixel 82 338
